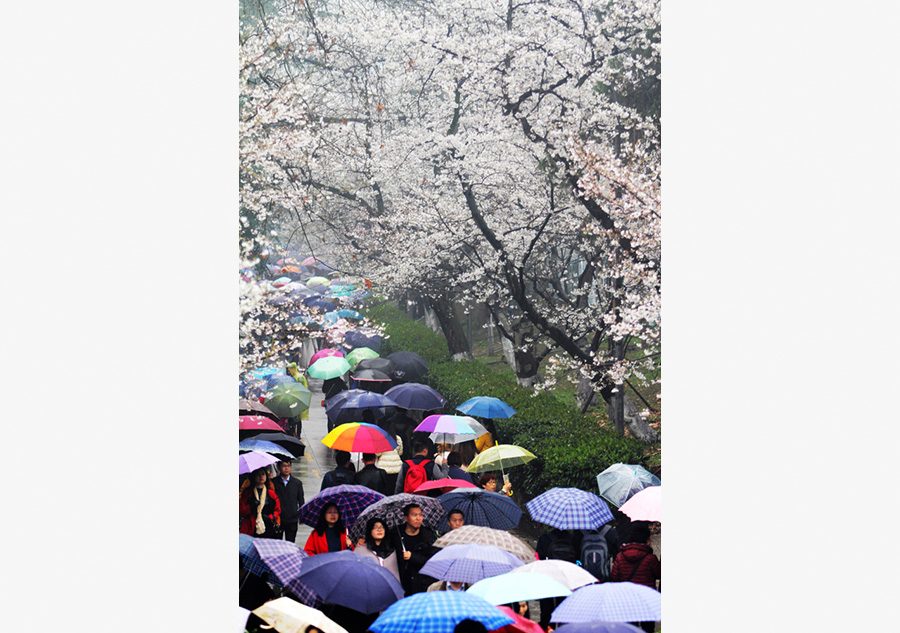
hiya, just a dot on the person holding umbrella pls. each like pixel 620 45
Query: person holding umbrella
pixel 329 535
pixel 488 481
pixel 415 545
pixel 260 509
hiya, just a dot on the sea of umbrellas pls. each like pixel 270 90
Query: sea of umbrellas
pixel 497 567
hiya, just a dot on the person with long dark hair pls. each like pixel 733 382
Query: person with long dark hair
pixel 329 535
pixel 260 509
pixel 376 544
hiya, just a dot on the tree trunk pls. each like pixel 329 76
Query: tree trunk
pixel 452 328
pixel 631 414
pixel 521 359
pixel 431 320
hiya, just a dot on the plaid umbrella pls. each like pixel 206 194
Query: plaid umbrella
pixel 610 602
pixel 469 563
pixel 482 507
pixel 438 612
pixel 277 562
pixel 350 500
pixel 569 509
pixel 487 536
pixel 390 510
pixel 599 627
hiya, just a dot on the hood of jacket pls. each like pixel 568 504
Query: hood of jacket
pixel 633 552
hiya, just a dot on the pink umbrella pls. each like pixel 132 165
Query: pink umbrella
pixel 445 483
pixel 645 505
pixel 258 423
pixel 519 625
pixel 248 462
pixel 322 353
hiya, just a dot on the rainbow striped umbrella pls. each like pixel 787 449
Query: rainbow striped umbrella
pixel 359 437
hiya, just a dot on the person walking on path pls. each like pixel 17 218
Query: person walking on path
pixel 636 563
pixel 420 458
pixel 290 494
pixel 260 510
pixel 454 470
pixel 371 476
pixel 414 543
pixel 342 474
pixel 329 535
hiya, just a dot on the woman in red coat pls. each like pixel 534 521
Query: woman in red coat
pixel 329 534
pixel 260 508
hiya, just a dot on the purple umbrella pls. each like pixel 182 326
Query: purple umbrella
pixel 350 580
pixel 248 462
pixel 350 500
pixel 610 602
pixel 278 562
pixel 469 563
pixel 599 627
pixel 569 509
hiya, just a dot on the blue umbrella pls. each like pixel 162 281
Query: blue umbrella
pixel 350 408
pixel 273 380
pixel 350 580
pixel 486 407
pixel 349 314
pixel 362 338
pixel 469 563
pixel 610 602
pixel 569 509
pixel 599 627
pixel 620 482
pixel 438 612
pixel 253 444
pixel 281 562
pixel 482 507
pixel 315 301
pixel 413 395
pixel 506 588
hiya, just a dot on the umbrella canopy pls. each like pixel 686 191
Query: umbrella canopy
pixel 482 507
pixel 457 438
pixel 610 602
pixel 486 407
pixel 252 407
pixel 359 437
pixel 469 563
pixel 295 446
pixel 359 353
pixel 329 367
pixel 289 616
pixel 349 314
pixel 390 510
pixel 289 400
pixel 645 505
pixel 599 627
pixel 252 387
pixel 568 574
pixel 363 338
pixel 274 380
pixel 359 399
pixel 313 282
pixel 520 624
pixel 619 482
pixel 251 561
pixel 263 446
pixel 350 500
pixel 315 301
pixel 257 423
pixel 353 581
pixel 506 589
pixel 499 457
pixel 449 424
pixel 410 366
pixel 323 353
pixel 412 395
pixel 278 562
pixel 569 509
pixel 248 462
pixel 446 485
pixel 487 536
pixel 384 365
pixel 438 612
pixel 371 374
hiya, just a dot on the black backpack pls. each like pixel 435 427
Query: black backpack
pixel 595 554
pixel 560 548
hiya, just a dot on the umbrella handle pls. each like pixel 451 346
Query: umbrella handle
pixel 402 544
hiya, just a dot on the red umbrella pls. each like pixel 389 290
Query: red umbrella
pixel 520 625
pixel 258 423
pixel 445 485
pixel 322 353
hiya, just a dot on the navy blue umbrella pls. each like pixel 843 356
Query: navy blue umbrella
pixel 316 301
pixel 349 408
pixel 272 380
pixel 361 338
pixel 413 395
pixel 482 507
pixel 350 580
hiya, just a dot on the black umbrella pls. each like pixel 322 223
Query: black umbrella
pixel 370 374
pixel 294 445
pixel 385 365
pixel 410 367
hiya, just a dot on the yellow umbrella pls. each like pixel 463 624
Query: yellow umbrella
pixel 289 616
pixel 500 456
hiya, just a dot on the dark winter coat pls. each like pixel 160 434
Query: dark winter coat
pixel 373 478
pixel 291 498
pixel 636 563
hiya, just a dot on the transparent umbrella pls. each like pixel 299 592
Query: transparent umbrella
pixel 620 482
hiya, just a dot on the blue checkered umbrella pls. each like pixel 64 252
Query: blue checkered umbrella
pixel 598 627
pixel 251 561
pixel 390 510
pixel 610 602
pixel 482 507
pixel 569 509
pixel 282 561
pixel 469 563
pixel 438 612
pixel 350 500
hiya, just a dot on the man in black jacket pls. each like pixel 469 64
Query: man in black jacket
pixel 415 545
pixel 371 476
pixel 343 474
pixel 290 494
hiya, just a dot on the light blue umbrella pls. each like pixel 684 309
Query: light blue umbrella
pixel 620 482
pixel 469 563
pixel 252 444
pixel 508 588
pixel 486 407
pixel 438 612
pixel 610 602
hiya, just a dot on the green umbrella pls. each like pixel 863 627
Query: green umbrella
pixel 328 367
pixel 360 353
pixel 500 456
pixel 288 399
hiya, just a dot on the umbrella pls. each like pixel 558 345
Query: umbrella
pixel 252 387
pixel 390 510
pixel 295 446
pixel 456 438
pixel 363 338
pixel 569 509
pixel 438 612
pixel 252 407
pixel 569 574
pixel 645 505
pixel 289 616
pixel 469 563
pixel 329 367
pixel 278 562
pixel 506 589
pixel 323 353
pixel 357 399
pixel 359 353
pixel 410 366
pixel 384 365
pixel 251 561
pixel 347 314
pixel 370 374
pixel 450 424
pixel 276 379
pixel 520 624
pixel 412 395
pixel 315 301
pixel 281 281
pixel 359 437
pixel 482 507
pixel 620 481
pixel 446 485
pixel 248 462
pixel 243 614
pixel 599 627
pixel 313 282
pixel 255 444
pixel 499 456
pixel 257 423
pixel 289 400
pixel 487 536
pixel 610 602
pixel 353 581
pixel 350 500
pixel 486 407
